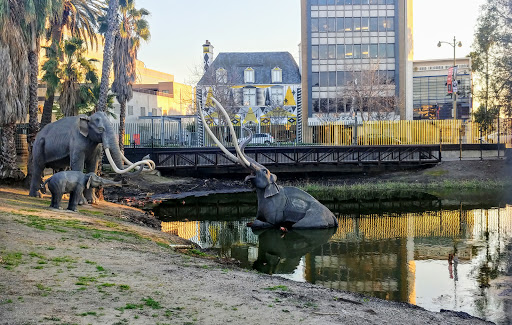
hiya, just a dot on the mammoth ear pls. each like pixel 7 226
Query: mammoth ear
pixel 88 182
pixel 84 125
pixel 271 190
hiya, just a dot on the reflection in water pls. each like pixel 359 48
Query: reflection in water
pixel 454 259
pixel 281 253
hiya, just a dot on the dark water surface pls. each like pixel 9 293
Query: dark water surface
pixel 436 254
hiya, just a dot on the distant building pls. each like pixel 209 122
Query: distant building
pixel 431 97
pixel 154 93
pixel 344 39
pixel 257 88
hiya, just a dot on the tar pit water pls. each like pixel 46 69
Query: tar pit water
pixel 454 255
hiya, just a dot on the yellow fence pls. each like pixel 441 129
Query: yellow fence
pixel 401 132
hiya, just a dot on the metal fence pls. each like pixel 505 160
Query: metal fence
pixel 170 134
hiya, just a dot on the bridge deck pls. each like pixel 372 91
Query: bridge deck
pixel 203 158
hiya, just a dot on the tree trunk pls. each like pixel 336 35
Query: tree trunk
pixel 8 168
pixel 46 118
pixel 33 126
pixel 47 108
pixel 122 117
pixel 108 53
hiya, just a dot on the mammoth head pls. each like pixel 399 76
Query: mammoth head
pixel 263 179
pixel 94 126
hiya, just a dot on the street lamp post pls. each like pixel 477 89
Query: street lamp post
pixel 453 44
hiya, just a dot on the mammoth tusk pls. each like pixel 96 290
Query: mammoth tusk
pixel 127 169
pixel 231 157
pixel 151 165
pixel 232 131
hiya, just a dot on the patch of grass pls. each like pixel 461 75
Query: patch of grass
pixel 84 247
pixel 196 252
pixel 95 213
pixel 99 268
pixel 278 287
pixel 124 287
pixel 85 280
pixel 151 303
pixel 63 259
pixel 88 313
pixel 8 301
pixel 52 318
pixel 106 285
pixel 90 262
pixel 33 254
pixel 51 248
pixel 11 260
pixel 45 290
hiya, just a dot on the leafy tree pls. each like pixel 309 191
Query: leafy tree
pixel 14 78
pixel 78 79
pixel 79 17
pixel 486 117
pixel 133 28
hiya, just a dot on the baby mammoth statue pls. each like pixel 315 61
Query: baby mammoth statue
pixel 73 182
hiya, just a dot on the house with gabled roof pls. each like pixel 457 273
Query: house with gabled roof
pixel 252 85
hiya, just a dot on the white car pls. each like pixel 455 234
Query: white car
pixel 504 137
pixel 260 138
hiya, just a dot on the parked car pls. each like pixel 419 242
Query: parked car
pixel 377 139
pixel 260 138
pixel 504 137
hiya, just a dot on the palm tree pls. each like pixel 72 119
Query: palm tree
pixel 37 13
pixel 79 17
pixel 132 29
pixel 14 78
pixel 78 78
pixel 112 20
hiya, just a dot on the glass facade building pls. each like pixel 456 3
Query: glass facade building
pixel 342 40
pixel 431 99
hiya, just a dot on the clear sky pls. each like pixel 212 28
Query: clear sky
pixel 179 28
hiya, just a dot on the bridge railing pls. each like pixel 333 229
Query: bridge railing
pixel 172 134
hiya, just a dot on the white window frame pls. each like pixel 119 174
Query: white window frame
pixel 249 97
pixel 249 75
pixel 277 75
pixel 277 95
pixel 130 109
pixel 143 111
pixel 222 75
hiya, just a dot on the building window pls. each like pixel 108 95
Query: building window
pixel 314 52
pixel 249 75
pixel 222 75
pixel 154 112
pixel 249 96
pixel 142 111
pixel 130 110
pixel 277 75
pixel 276 95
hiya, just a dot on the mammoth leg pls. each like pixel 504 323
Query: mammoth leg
pixel 91 165
pixel 38 163
pixel 316 217
pixel 258 224
pixel 74 197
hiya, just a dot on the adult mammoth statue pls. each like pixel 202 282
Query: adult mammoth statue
pixel 76 141
pixel 278 206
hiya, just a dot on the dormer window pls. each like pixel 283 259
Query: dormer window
pixel 249 75
pixel 277 75
pixel 221 75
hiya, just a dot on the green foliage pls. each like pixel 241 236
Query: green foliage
pixel 278 287
pixel 486 117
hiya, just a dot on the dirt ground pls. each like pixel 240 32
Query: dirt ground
pixel 104 265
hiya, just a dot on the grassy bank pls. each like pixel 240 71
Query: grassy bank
pixel 393 189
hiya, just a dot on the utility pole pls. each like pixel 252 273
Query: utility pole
pixel 454 93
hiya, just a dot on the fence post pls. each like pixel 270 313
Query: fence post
pixel 499 137
pixel 460 142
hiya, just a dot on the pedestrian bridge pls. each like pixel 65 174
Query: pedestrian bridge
pixel 211 160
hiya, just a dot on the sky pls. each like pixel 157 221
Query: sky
pixel 180 28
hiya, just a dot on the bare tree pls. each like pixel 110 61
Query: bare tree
pixel 372 93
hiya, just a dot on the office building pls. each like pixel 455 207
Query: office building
pixel 354 49
pixel 432 99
